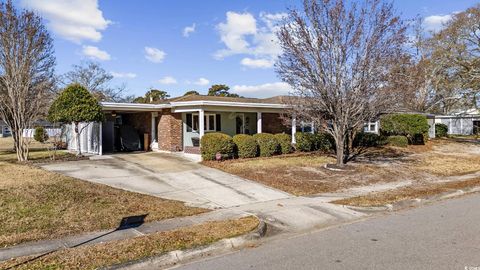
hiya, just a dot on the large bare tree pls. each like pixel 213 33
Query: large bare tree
pixel 97 80
pixel 337 57
pixel 26 71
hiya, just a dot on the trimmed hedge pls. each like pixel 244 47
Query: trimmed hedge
pixel 285 142
pixel 304 141
pixel 365 139
pixel 40 135
pixel 323 142
pixel 409 125
pixel 213 143
pixel 246 146
pixel 441 130
pixel 267 144
pixel 399 141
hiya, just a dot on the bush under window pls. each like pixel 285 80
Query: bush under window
pixel 213 143
pixel 364 139
pixel 267 144
pixel 246 146
pixel 323 142
pixel 304 141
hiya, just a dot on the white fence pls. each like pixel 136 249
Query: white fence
pixel 52 132
pixel 90 137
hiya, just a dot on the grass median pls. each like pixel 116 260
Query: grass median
pixel 36 204
pixel 117 252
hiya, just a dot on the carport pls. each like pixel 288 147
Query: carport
pixel 129 127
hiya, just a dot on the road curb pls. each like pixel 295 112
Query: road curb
pixel 414 202
pixel 178 256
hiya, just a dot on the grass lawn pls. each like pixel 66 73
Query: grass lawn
pixel 304 174
pixel 410 192
pixel 106 254
pixel 37 204
pixel 6 143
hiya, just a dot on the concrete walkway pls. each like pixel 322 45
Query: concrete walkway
pixel 169 176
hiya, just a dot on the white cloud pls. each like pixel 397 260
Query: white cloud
pixel 95 53
pixel 154 55
pixel 167 80
pixel 262 90
pixel 257 63
pixel 202 82
pixel 127 75
pixel 435 23
pixel 75 20
pixel 188 30
pixel 243 34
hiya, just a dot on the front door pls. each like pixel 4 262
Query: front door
pixel 240 123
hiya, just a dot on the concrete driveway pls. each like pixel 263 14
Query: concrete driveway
pixel 169 176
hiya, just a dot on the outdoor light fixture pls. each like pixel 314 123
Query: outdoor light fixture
pixel 114 113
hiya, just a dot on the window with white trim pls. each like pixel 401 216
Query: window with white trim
pixel 210 123
pixel 370 127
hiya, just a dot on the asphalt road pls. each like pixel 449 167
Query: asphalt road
pixel 444 235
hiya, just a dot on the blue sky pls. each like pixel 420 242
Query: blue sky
pixel 187 45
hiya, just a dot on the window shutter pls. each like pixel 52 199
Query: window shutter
pixel 218 119
pixel 189 122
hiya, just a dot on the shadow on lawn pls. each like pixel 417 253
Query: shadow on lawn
pixel 126 223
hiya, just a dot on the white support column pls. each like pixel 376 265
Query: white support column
pixel 153 138
pixel 313 127
pixel 100 139
pixel 201 120
pixel 259 122
pixel 294 128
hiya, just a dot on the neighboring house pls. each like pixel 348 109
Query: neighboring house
pixel 461 123
pixel 4 130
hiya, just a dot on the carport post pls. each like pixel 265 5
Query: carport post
pixel 201 120
pixel 259 122
pixel 294 128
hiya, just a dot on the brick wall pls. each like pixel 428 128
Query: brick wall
pixel 170 136
pixel 273 123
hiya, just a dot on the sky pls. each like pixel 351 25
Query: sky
pixel 181 45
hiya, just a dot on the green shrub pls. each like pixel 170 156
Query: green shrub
pixel 285 142
pixel 213 143
pixel 441 130
pixel 409 125
pixel 267 144
pixel 399 141
pixel 365 139
pixel 322 142
pixel 40 135
pixel 246 146
pixel 304 141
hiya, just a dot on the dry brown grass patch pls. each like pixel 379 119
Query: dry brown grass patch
pixel 106 254
pixel 406 193
pixel 37 204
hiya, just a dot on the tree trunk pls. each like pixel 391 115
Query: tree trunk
pixel 77 135
pixel 20 146
pixel 340 143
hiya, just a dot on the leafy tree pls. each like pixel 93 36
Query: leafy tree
pixel 191 92
pixel 220 90
pixel 74 105
pixel 97 80
pixel 27 64
pixel 152 96
pixel 337 56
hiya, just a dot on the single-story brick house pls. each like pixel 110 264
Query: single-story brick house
pixel 4 130
pixel 178 124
